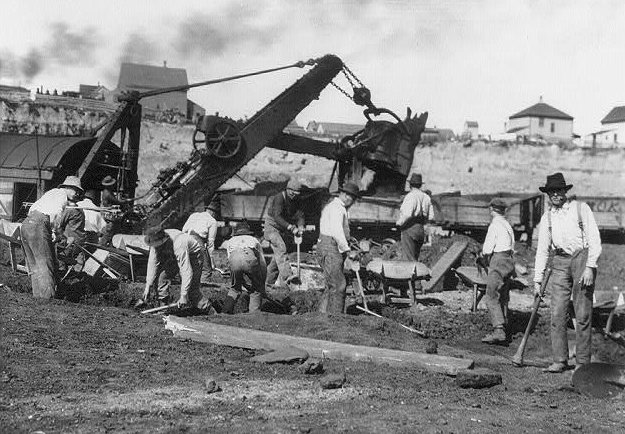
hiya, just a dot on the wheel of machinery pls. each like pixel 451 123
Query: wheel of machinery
pixel 224 139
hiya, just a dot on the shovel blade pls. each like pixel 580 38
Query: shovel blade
pixel 600 380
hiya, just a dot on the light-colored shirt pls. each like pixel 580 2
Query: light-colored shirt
pixel 248 244
pixel 500 236
pixel 334 222
pixel 94 222
pixel 416 204
pixel 566 235
pixel 243 242
pixel 184 246
pixel 52 203
pixel 205 226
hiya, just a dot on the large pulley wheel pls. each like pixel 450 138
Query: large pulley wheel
pixel 224 139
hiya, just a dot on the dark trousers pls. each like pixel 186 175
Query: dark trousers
pixel 564 283
pixel 412 239
pixel 279 269
pixel 332 261
pixel 41 260
pixel 500 269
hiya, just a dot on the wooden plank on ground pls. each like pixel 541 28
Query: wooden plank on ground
pixel 217 334
pixel 444 264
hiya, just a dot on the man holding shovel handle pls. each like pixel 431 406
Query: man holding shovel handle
pixel 538 296
pixel 568 228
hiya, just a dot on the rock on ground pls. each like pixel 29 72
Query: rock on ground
pixel 283 355
pixel 312 366
pixel 477 378
pixel 332 381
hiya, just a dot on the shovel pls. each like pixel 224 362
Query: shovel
pixel 600 380
pixel 161 308
pixel 297 239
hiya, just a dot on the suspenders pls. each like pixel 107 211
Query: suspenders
pixel 580 223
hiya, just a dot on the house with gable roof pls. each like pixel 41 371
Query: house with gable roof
pixel 542 121
pixel 471 130
pixel 612 131
pixel 143 78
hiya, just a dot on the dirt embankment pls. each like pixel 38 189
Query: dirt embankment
pixel 479 169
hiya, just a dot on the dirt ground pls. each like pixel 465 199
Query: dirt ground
pixel 95 365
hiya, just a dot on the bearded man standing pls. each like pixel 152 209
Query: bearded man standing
pixel 568 229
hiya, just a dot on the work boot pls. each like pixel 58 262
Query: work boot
pixel 228 306
pixel 498 336
pixel 557 367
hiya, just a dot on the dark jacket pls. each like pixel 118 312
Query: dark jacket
pixel 283 212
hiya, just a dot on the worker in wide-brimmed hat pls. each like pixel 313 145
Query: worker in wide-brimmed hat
pixel 415 211
pixel 38 235
pixel 203 226
pixel 245 256
pixel 498 247
pixel 173 252
pixel 568 227
pixel 284 220
pixel 333 246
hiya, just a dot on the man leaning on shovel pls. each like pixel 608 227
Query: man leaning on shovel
pixel 569 229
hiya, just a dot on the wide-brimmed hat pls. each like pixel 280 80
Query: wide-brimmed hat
pixel 155 236
pixel 416 179
pixel 72 182
pixel 350 188
pixel 242 228
pixel 498 203
pixel 108 181
pixel 294 184
pixel 555 182
pixel 213 206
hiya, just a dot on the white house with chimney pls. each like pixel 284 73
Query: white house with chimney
pixel 542 121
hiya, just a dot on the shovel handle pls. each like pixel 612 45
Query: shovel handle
pixel 161 308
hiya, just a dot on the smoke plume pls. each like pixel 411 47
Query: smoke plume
pixel 139 48
pixel 64 47
pixel 71 47
pixel 31 64
pixel 213 35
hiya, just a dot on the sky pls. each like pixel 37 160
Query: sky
pixel 481 60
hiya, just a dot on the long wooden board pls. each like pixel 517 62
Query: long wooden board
pixel 444 264
pixel 203 331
